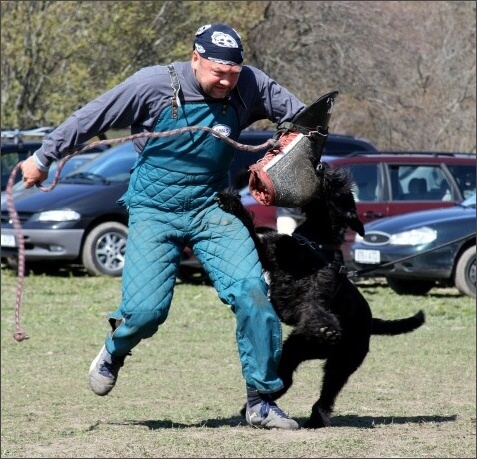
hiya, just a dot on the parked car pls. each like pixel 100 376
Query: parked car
pixel 392 183
pixel 412 235
pixel 79 220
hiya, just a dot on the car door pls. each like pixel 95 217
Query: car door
pixel 368 186
pixel 369 191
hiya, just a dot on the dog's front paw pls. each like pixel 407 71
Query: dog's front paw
pixel 228 200
pixel 330 334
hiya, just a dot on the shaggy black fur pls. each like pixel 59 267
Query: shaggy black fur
pixel 311 292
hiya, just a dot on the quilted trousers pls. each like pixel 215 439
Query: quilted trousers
pixel 227 253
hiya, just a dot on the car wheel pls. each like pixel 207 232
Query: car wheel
pixel 104 249
pixel 12 263
pixel 465 273
pixel 410 286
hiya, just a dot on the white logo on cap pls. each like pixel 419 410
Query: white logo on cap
pixel 199 48
pixel 203 28
pixel 224 40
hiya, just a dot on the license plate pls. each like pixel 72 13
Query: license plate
pixel 8 240
pixel 367 256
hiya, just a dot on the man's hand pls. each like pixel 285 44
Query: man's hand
pixel 31 173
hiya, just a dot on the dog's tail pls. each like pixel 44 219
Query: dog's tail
pixel 399 326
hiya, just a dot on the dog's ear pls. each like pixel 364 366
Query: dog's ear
pixel 353 221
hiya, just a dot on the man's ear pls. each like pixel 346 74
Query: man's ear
pixel 195 59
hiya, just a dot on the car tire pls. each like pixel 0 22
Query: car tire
pixel 410 286
pixel 104 249
pixel 12 263
pixel 464 277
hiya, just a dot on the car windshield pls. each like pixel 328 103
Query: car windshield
pixel 112 165
pixel 70 166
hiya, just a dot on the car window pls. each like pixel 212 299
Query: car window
pixel 414 182
pixel 367 185
pixel 114 164
pixel 71 165
pixel 464 177
pixel 469 202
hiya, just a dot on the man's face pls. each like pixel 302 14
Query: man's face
pixel 217 80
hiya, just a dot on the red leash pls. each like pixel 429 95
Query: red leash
pixel 19 334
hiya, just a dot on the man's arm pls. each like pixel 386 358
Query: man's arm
pixel 122 106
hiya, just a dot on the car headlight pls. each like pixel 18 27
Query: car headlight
pixel 57 216
pixel 417 236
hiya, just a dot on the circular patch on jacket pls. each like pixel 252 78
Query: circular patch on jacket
pixel 222 129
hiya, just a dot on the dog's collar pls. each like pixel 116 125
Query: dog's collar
pixel 316 247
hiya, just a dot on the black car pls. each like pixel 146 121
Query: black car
pixel 79 220
pixel 416 239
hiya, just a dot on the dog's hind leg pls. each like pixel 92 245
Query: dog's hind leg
pixel 340 365
pixel 296 349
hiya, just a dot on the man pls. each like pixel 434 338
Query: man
pixel 171 202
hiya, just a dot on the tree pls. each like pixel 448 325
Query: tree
pixel 57 55
pixel 405 70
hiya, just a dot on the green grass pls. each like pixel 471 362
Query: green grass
pixel 180 393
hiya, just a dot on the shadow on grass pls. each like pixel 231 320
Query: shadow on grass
pixel 186 275
pixel 360 422
pixel 373 286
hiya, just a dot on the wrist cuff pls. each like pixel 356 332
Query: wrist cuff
pixel 39 164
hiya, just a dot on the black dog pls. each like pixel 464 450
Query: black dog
pixel 311 292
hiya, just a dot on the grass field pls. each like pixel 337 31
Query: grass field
pixel 180 393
